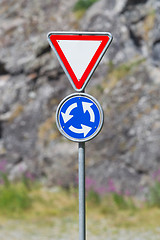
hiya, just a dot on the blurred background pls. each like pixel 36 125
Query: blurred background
pixel 124 159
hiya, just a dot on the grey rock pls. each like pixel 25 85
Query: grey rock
pixel 32 83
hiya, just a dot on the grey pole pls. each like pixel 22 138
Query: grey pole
pixel 82 209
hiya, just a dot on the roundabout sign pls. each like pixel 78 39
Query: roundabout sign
pixel 79 117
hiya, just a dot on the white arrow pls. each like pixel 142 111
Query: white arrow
pixel 66 116
pixel 87 107
pixel 85 129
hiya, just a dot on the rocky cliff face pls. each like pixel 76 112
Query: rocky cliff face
pixel 126 83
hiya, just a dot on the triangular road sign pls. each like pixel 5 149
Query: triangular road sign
pixel 79 53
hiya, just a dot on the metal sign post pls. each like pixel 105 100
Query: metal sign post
pixel 79 116
pixel 82 204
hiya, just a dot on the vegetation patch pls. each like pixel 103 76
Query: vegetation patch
pixel 14 199
pixel 44 205
pixel 149 23
pixel 153 197
pixel 16 113
pixel 28 200
pixel 81 6
pixel 117 73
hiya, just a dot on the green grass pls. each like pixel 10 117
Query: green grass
pixel 40 204
pixel 83 4
pixel 123 202
pixel 93 197
pixel 14 199
pixel 153 196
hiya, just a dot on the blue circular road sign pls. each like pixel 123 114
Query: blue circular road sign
pixel 79 117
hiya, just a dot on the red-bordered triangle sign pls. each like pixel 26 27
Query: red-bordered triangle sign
pixel 79 53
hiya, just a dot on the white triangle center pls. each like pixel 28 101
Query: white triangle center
pixel 78 53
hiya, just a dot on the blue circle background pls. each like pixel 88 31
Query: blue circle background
pixel 79 117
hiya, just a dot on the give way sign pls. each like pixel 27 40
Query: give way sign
pixel 79 53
